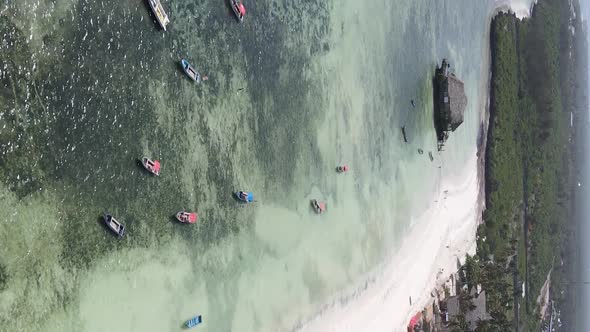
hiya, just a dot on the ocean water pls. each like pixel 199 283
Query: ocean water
pixel 89 87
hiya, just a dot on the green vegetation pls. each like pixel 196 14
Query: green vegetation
pixel 529 165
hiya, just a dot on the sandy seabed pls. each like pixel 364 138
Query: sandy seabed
pixel 433 248
pixel 428 255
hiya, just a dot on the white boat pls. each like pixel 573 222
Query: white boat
pixel 160 13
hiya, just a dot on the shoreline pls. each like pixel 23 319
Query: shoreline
pixel 382 295
pixel 381 301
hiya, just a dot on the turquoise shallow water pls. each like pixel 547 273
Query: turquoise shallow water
pixel 88 87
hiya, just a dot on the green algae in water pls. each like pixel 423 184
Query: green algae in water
pixel 107 90
pixel 21 113
pixel 30 254
pixel 3 277
pixel 77 112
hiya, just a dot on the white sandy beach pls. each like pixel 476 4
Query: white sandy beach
pixel 443 234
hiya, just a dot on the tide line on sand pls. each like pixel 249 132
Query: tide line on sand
pixel 440 238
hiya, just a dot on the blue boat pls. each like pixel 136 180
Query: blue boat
pixel 194 321
pixel 190 71
pixel 244 196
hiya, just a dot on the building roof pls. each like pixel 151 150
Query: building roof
pixel 479 313
pixel 457 100
pixel 453 306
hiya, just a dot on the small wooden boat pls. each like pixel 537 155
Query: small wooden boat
pixel 114 225
pixel 190 71
pixel 158 10
pixel 318 206
pixel 152 166
pixel 244 196
pixel 193 321
pixel 187 217
pixel 239 9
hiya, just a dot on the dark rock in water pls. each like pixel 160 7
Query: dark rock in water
pixel 404 134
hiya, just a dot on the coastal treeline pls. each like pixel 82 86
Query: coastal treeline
pixel 530 176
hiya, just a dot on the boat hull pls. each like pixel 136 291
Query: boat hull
pixel 239 197
pixel 149 168
pixel 234 7
pixel 190 71
pixel 115 226
pixel 315 204
pixel 159 12
pixel 194 321
pixel 187 220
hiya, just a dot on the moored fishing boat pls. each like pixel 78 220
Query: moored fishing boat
pixel 239 9
pixel 190 71
pixel 193 321
pixel 187 217
pixel 342 169
pixel 158 10
pixel 244 196
pixel 318 207
pixel 114 225
pixel 152 166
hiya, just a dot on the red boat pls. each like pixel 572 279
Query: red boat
pixel 239 9
pixel 152 166
pixel 318 206
pixel 415 323
pixel 342 169
pixel 187 217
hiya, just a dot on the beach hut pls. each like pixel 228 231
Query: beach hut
pixel 450 102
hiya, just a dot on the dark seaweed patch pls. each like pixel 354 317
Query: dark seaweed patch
pixel 3 277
